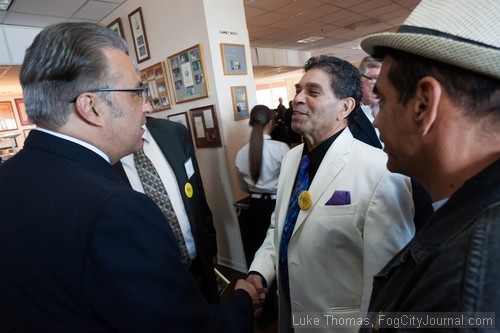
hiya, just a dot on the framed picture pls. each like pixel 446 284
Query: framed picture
pixel 7 118
pixel 9 141
pixel 180 118
pixel 139 35
pixel 187 71
pixel 21 112
pixel 206 127
pixel 155 79
pixel 240 102
pixel 233 59
pixel 117 27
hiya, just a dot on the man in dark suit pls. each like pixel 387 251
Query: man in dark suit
pixel 80 250
pixel 363 130
pixel 171 151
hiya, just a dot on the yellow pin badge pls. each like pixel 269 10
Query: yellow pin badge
pixel 188 189
pixel 305 200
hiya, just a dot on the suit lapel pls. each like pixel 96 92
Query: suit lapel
pixel 332 164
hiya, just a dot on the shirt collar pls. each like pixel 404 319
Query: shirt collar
pixel 77 141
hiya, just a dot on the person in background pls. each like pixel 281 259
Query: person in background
pixel 81 250
pixel 293 137
pixel 363 130
pixel 169 147
pixel 340 214
pixel 439 90
pixel 258 166
pixel 281 109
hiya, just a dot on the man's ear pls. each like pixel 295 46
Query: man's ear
pixel 87 110
pixel 426 105
pixel 347 106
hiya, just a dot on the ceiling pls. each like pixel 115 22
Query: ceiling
pixel 271 23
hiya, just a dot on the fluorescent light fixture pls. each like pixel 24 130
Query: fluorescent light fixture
pixel 4 4
pixel 311 39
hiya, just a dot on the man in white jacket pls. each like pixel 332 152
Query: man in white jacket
pixel 351 215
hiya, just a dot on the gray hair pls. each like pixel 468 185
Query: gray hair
pixel 63 61
pixel 368 63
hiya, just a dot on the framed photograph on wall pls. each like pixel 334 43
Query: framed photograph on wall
pixel 240 102
pixel 7 118
pixel 8 141
pixel 233 59
pixel 180 118
pixel 187 71
pixel 117 27
pixel 205 127
pixel 138 29
pixel 155 79
pixel 21 112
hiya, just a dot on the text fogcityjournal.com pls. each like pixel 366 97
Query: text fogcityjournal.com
pixel 395 320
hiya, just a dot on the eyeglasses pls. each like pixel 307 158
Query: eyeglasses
pixel 143 92
pixel 371 79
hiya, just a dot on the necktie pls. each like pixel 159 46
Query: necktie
pixel 302 184
pixel 154 188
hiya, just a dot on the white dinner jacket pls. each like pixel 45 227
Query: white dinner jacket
pixel 335 250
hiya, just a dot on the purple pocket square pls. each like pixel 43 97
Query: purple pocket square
pixel 339 198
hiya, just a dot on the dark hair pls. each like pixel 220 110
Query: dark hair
pixel 344 78
pixel 260 116
pixel 477 94
pixel 63 61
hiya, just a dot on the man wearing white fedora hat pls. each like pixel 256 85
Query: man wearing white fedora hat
pixel 439 91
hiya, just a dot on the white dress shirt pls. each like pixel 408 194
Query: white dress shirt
pixel 152 150
pixel 272 155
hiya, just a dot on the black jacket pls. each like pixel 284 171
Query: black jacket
pixel 452 265
pixel 176 145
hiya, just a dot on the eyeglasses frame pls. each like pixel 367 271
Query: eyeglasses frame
pixel 144 92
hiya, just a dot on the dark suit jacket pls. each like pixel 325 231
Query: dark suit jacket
pixel 81 251
pixel 176 145
pixel 363 130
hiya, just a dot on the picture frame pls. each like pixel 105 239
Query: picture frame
pixel 9 142
pixel 187 71
pixel 138 29
pixel 233 59
pixel 7 118
pixel 205 127
pixel 21 112
pixel 181 118
pixel 155 79
pixel 240 102
pixel 117 27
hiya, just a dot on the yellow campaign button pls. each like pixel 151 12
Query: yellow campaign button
pixel 188 188
pixel 305 200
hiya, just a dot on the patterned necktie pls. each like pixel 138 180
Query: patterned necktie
pixel 302 184
pixel 154 188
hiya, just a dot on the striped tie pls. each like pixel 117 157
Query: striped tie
pixel 154 188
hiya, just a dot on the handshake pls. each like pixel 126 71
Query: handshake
pixel 254 287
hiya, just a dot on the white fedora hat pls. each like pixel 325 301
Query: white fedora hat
pixel 463 33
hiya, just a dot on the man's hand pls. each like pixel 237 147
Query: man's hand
pixel 257 300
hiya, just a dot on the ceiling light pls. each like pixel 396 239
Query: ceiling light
pixel 311 39
pixel 5 4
